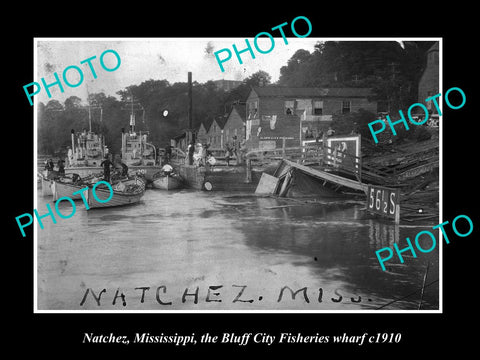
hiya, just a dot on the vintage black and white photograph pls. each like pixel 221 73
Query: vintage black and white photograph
pixel 268 174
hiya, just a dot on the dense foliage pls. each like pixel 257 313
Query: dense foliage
pixel 150 100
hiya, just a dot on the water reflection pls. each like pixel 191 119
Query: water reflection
pixel 209 245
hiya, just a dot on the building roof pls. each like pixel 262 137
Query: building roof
pixel 220 120
pixel 241 110
pixel 302 92
pixel 206 124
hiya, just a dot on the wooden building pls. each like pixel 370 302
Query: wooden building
pixel 222 130
pixel 277 115
pixel 234 128
pixel 215 133
pixel 202 132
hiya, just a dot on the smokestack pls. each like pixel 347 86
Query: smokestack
pixel 190 107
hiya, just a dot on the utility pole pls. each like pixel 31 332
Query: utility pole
pixel 190 108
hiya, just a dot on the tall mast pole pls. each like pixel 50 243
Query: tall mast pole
pixel 89 117
pixel 132 115
pixel 190 108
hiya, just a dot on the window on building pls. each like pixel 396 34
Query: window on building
pixel 345 107
pixel 318 108
pixel 252 109
pixel 303 106
pixel 289 106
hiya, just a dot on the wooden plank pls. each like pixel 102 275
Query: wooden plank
pixel 286 183
pixel 281 170
pixel 329 177
pixel 418 170
pixel 415 152
pixel 267 184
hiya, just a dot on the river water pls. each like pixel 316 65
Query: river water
pixel 189 250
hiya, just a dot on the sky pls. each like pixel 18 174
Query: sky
pixel 152 58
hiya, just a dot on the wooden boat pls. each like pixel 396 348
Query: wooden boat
pixel 46 181
pixel 218 178
pixel 167 182
pixel 66 185
pixel 125 192
pixel 46 186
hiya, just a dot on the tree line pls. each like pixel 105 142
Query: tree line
pixel 161 108
pixel 391 69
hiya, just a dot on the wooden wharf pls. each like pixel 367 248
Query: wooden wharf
pixel 355 172
pixel 400 170
pixel 318 170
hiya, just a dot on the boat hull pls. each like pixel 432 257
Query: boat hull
pixel 47 185
pixel 167 182
pixel 61 189
pixel 218 178
pixel 119 198
pixel 46 181
pixel 147 170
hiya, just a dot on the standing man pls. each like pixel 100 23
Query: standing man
pixel 168 153
pixel 124 168
pixel 235 149
pixel 49 165
pixel 228 154
pixel 61 167
pixel 106 168
pixel 191 150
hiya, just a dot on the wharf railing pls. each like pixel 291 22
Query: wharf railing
pixel 323 156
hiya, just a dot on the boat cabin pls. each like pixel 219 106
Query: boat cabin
pixel 88 149
pixel 136 151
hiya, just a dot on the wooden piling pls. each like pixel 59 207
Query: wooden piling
pixel 190 105
pixel 248 172
pixel 286 183
pixel 397 214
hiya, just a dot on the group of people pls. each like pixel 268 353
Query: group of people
pixel 319 134
pixel 201 154
pixel 49 166
pixel 201 157
pixel 107 165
